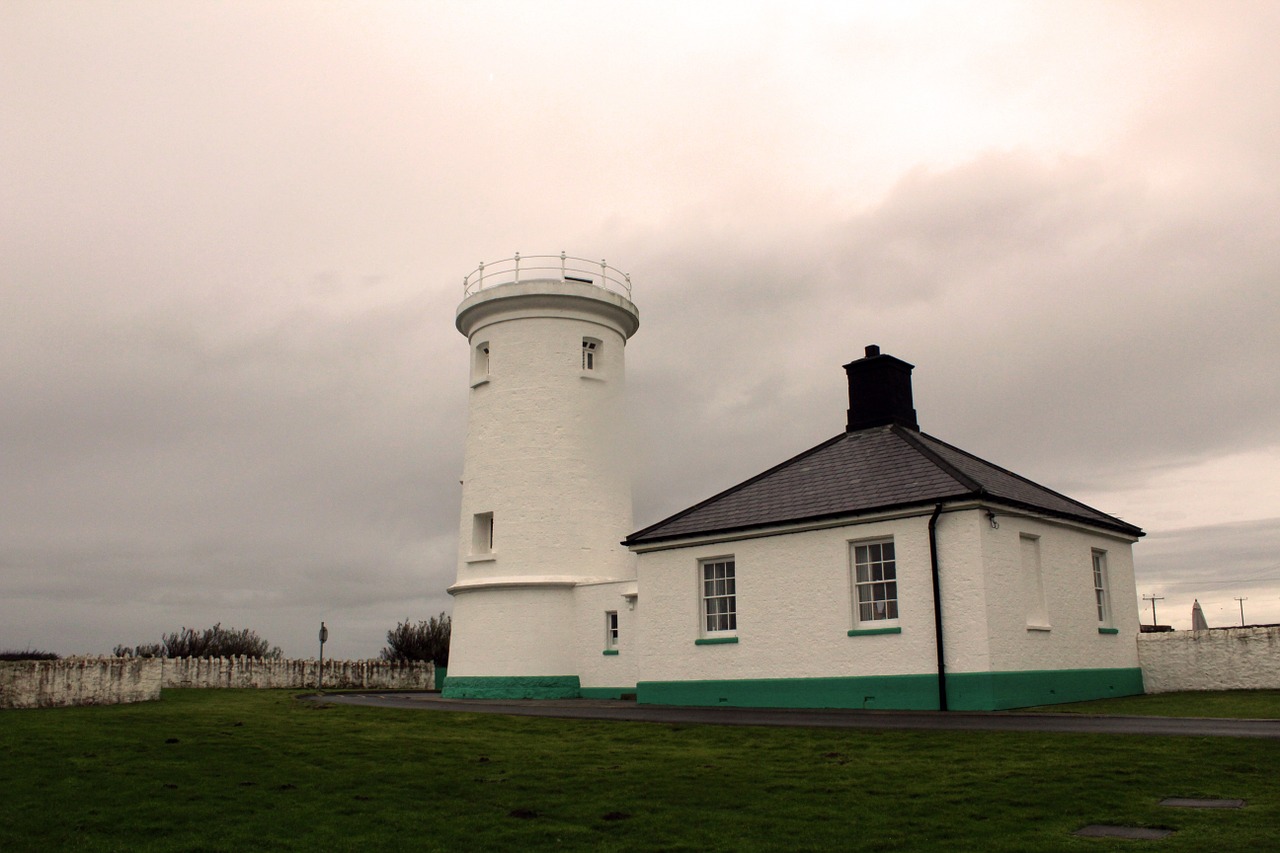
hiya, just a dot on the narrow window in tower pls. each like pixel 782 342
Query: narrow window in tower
pixel 590 353
pixel 480 364
pixel 482 533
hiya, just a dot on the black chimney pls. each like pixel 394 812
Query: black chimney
pixel 879 392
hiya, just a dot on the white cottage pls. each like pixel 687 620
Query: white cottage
pixel 883 568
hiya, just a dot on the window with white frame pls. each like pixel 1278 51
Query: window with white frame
pixel 611 629
pixel 719 598
pixel 875 581
pixel 590 354
pixel 1100 591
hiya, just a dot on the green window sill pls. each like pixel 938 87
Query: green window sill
pixel 609 652
pixel 714 641
pixel 1108 630
pixel 864 632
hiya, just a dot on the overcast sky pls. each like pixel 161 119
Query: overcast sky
pixel 233 236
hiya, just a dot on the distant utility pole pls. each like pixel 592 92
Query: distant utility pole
pixel 1242 601
pixel 1153 599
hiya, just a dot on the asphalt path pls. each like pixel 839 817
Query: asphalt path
pixel 997 721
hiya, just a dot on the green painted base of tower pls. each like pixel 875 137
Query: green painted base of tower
pixel 511 687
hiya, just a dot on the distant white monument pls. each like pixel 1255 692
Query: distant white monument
pixel 1198 622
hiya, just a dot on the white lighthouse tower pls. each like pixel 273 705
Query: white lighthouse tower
pixel 546 488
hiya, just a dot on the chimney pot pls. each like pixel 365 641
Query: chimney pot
pixel 872 350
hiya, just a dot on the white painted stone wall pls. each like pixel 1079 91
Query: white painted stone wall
pixel 1067 637
pixel 111 680
pixel 795 603
pixel 1216 659
pixel 547 454
pixel 298 673
pixel 78 681
pixel 795 608
pixel 592 601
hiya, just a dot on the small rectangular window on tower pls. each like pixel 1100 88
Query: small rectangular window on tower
pixel 482 533
pixel 480 364
pixel 590 353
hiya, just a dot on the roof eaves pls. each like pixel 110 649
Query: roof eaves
pixel 851 515
pixel 1106 521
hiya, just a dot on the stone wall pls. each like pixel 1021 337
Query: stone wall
pixel 258 672
pixel 79 681
pixel 110 681
pixel 1217 659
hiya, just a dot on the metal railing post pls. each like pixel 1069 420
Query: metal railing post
pixel 562 265
pixel 517 267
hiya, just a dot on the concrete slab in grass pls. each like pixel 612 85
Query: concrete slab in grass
pixel 1194 803
pixel 1139 833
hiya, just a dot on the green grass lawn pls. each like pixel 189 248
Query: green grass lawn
pixel 206 770
pixel 1239 704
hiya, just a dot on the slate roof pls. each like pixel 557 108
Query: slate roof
pixel 881 468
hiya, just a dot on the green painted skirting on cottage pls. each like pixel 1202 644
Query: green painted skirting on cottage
pixel 996 691
pixel 511 687
pixel 607 692
pixel 966 691
pixel 442 676
pixel 910 692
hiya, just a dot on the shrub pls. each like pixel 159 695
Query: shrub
pixel 27 654
pixel 427 640
pixel 145 650
pixel 215 642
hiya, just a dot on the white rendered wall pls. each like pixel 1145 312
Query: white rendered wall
pixel 547 455
pixel 795 603
pixel 966 599
pixel 795 608
pixel 518 631
pixel 1070 639
pixel 591 602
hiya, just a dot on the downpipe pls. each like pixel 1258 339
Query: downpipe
pixel 937 607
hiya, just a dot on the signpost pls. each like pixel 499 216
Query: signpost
pixel 324 635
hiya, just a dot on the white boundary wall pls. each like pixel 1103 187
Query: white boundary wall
pixel 78 681
pixel 262 672
pixel 110 680
pixel 1217 659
